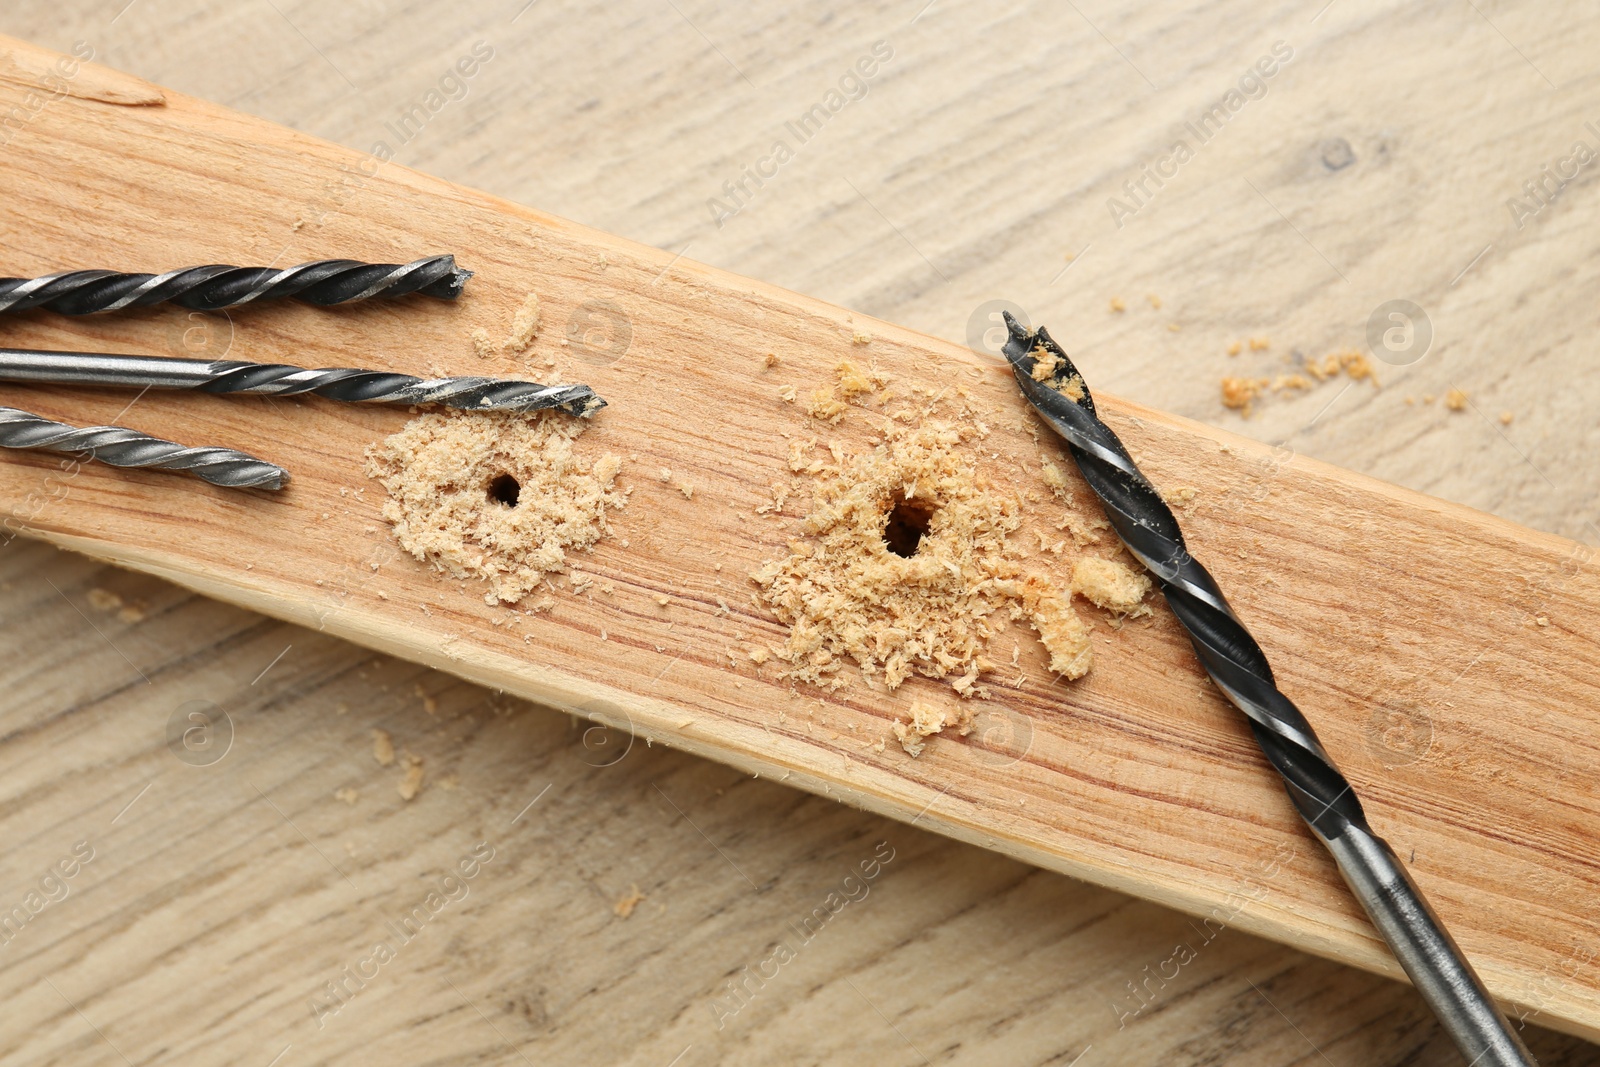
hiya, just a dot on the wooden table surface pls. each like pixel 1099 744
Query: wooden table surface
pixel 986 158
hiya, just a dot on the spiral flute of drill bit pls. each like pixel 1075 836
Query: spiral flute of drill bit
pixel 1233 659
pixel 212 288
pixel 122 447
pixel 275 379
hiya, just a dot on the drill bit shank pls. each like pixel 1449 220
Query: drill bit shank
pixel 212 288
pixel 1233 659
pixel 274 379
pixel 122 447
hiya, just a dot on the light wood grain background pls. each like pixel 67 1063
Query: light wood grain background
pixel 216 908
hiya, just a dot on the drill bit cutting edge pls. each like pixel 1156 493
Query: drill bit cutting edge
pixel 275 379
pixel 211 288
pixel 1233 659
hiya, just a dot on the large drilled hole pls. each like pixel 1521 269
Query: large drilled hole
pixel 907 525
pixel 505 490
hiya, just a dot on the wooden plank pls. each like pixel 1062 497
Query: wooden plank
pixel 1097 820
pixel 203 865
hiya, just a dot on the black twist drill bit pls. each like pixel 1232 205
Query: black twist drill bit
pixel 276 379
pixel 122 447
pixel 212 288
pixel 1324 798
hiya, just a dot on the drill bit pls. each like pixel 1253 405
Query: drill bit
pixel 1240 669
pixel 212 288
pixel 276 379
pixel 122 447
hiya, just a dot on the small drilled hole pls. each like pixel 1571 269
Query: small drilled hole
pixel 907 525
pixel 505 490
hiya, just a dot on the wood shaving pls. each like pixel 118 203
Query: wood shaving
pixel 826 405
pixel 1117 304
pixel 1238 393
pixel 853 381
pixel 927 720
pixel 411 784
pixel 1108 584
pixel 1045 363
pixel 1357 367
pixel 383 748
pixel 1055 478
pixel 1235 348
pixel 624 907
pixel 442 471
pixel 348 795
pixel 1455 400
pixel 860 337
pixel 524 325
pixel 1064 634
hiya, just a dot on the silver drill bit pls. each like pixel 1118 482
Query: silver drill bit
pixel 212 288
pixel 275 379
pixel 1324 798
pixel 122 447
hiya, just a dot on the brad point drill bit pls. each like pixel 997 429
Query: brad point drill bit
pixel 1237 664
pixel 122 447
pixel 276 379
pixel 212 288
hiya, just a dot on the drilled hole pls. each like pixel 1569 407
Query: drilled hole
pixel 907 525
pixel 505 490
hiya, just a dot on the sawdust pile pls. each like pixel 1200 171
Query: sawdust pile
pixel 496 496
pixel 846 595
pixel 908 567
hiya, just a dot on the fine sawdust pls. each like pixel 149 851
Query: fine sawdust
pixel 482 343
pixel 448 477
